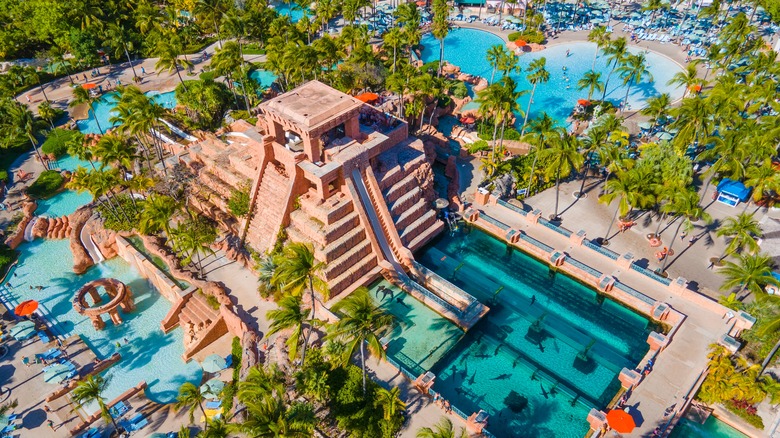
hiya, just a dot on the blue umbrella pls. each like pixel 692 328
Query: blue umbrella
pixel 213 363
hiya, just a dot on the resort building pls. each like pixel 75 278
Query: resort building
pixel 325 168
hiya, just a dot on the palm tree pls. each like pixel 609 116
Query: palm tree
pixel 750 274
pixel 219 428
pixel 686 206
pixel 657 108
pixel 440 27
pixel 116 150
pixel 226 62
pixel 290 315
pixel 763 179
pixel 562 157
pixel 191 398
pixel 616 51
pixel 169 60
pixel 265 269
pixel 743 230
pixel 80 96
pixel 90 390
pixel 394 38
pixel 443 429
pixel 212 10
pixel 632 71
pixel 537 73
pixel 490 100
pixel 23 125
pixel 494 55
pixel 592 81
pixel 390 402
pixel 192 239
pixel 600 36
pixel 361 325
pixel 687 79
pixel 297 270
pixel 47 112
pixel 157 213
pixel 693 121
pixel 542 129
pixel 626 189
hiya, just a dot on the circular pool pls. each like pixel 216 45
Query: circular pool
pixel 467 48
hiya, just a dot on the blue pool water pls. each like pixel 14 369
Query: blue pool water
pixel 503 353
pixel 147 353
pixel 107 103
pixel 67 201
pixel 263 77
pixel 62 204
pixel 712 428
pixel 420 336
pixel 466 48
pixel 295 15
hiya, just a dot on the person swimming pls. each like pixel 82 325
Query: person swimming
pixel 568 53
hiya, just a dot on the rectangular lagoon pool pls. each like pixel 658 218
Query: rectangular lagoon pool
pixel 549 350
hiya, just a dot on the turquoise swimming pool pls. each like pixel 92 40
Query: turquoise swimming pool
pixel 289 10
pixel 466 48
pixel 107 103
pixel 549 350
pixel 712 428
pixel 147 353
pixel 67 201
pixel 263 77
pixel 420 336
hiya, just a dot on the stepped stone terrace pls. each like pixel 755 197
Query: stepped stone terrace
pixel 325 168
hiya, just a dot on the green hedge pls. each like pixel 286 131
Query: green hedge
pixel 752 419
pixel 47 185
pixel 7 256
pixel 531 36
pixel 57 142
pixel 4 176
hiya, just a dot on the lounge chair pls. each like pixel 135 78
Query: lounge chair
pixel 213 404
pixel 119 409
pixel 44 337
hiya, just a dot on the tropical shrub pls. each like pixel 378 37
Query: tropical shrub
pixel 4 176
pixel 460 90
pixel 238 204
pixel 7 256
pixel 746 411
pixel 530 36
pixel 205 102
pixel 47 185
pixel 57 142
pixel 125 217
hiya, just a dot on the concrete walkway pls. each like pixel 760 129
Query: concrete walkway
pixel 679 365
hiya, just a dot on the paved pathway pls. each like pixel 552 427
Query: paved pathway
pixel 678 367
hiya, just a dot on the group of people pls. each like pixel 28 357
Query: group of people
pixel 445 404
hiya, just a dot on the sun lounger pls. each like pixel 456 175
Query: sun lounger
pixel 44 337
pixel 92 433
pixel 214 404
pixel 119 409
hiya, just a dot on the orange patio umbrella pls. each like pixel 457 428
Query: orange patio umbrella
pixel 620 421
pixel 467 120
pixel 695 88
pixel 88 86
pixel 521 43
pixel 367 97
pixel 583 102
pixel 26 308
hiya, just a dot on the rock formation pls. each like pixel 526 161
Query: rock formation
pixel 16 239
